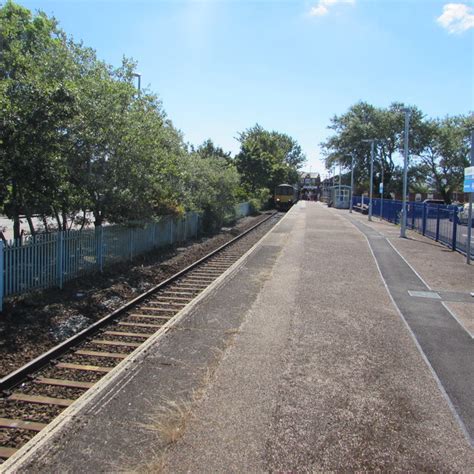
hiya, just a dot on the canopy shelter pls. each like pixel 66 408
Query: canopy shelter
pixel 339 196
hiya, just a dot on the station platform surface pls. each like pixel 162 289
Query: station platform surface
pixel 332 345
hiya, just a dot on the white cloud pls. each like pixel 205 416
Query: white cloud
pixel 322 7
pixel 456 17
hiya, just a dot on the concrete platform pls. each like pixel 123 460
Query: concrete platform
pixel 315 352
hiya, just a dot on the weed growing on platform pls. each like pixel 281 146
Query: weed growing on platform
pixel 169 420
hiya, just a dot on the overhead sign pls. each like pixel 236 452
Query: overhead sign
pixel 381 188
pixel 469 179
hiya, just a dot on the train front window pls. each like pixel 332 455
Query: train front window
pixel 284 191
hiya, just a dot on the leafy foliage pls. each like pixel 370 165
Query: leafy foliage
pixel 445 153
pixel 267 159
pixel 77 136
pixel 439 148
pixel 211 184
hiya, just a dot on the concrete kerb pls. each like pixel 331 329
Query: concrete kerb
pixel 406 261
pixel 413 337
pixel 102 389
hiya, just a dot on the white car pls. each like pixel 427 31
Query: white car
pixel 463 214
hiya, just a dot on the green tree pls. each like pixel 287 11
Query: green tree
pixel 444 153
pixel 364 122
pixel 211 186
pixel 35 101
pixel 208 150
pixel 267 159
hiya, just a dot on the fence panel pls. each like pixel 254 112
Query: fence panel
pixel 436 221
pixel 48 260
pixel 242 209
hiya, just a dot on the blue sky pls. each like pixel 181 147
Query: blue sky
pixel 221 66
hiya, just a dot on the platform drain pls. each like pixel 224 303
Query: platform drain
pixel 425 294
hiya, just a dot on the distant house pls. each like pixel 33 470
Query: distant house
pixel 310 185
pixel 309 180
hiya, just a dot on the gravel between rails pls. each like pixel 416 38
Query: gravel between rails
pixel 88 360
pixel 27 411
pixel 53 391
pixel 11 438
pixel 67 374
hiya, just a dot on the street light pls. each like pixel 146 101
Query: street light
pixel 381 187
pixel 381 191
pixel 352 181
pixel 340 172
pixel 139 76
pixel 469 211
pixel 403 226
pixel 372 146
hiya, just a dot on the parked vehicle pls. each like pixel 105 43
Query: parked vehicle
pixel 433 201
pixel 463 215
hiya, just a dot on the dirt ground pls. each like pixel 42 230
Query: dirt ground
pixel 32 323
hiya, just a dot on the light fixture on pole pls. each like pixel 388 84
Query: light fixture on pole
pixel 139 76
pixel 403 226
pixel 372 146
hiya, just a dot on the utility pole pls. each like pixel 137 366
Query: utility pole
pixel 372 146
pixel 352 182
pixel 340 177
pixel 381 191
pixel 469 215
pixel 403 226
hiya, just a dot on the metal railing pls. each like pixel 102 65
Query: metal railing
pixel 436 221
pixel 50 260
pixel 242 209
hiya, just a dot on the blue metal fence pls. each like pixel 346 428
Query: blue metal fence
pixel 242 209
pixel 50 260
pixel 436 221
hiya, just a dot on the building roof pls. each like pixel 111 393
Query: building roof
pixel 307 174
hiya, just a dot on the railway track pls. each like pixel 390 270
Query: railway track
pixel 35 394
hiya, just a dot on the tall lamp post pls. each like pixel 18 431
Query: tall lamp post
pixel 381 191
pixel 340 176
pixel 352 181
pixel 372 146
pixel 469 211
pixel 403 226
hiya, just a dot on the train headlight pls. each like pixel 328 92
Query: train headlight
pixel 278 199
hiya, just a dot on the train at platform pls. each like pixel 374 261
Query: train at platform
pixel 285 196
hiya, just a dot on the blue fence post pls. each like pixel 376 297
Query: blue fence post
pixel 413 216
pixel 423 220
pixel 455 230
pixel 130 238
pixel 60 259
pixel 1 275
pixel 437 224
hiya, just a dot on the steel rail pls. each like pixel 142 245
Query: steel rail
pixel 14 378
